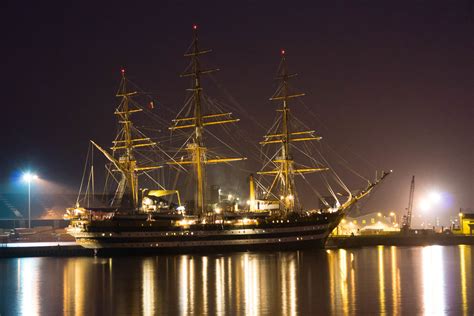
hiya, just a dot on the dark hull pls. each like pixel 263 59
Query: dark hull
pixel 125 237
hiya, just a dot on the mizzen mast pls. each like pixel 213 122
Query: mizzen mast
pixel 285 167
pixel 196 147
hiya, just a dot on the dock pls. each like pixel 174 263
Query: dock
pixel 42 249
pixel 398 240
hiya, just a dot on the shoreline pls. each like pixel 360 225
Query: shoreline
pixel 71 249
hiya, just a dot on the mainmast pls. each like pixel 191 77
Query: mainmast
pixel 196 148
pixel 125 144
pixel 285 166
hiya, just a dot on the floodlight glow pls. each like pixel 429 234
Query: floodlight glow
pixel 28 177
pixel 424 205
pixel 435 197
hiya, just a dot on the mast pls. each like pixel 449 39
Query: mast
pixel 196 148
pixel 125 144
pixel 285 166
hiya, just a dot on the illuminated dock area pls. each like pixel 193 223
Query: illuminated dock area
pixel 398 239
pixel 42 249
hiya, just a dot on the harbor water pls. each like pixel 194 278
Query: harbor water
pixel 426 280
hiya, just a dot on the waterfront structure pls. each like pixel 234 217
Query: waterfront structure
pixel 466 221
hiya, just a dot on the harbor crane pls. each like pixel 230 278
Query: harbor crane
pixel 407 218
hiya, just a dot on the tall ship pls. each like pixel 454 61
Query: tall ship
pixel 135 219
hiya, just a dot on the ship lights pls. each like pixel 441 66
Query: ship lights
pixel 180 209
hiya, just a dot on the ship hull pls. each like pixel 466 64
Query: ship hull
pixel 108 238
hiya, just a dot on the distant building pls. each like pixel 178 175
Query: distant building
pixel 369 224
pixel 467 223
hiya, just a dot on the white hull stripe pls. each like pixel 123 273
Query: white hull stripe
pixel 182 244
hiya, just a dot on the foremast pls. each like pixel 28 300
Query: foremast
pixel 196 148
pixel 125 144
pixel 285 167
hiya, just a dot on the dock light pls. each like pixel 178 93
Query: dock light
pixel 217 210
pixel 379 214
pixel 392 214
pixel 28 177
pixel 429 201
pixel 435 197
pixel 424 205
pixel 229 197
pixel 290 197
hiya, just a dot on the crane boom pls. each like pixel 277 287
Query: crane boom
pixel 407 223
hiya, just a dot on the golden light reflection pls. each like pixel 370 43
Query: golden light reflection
pixel 380 252
pixel 252 290
pixel 288 286
pixel 292 287
pixel 184 285
pixel 343 280
pixel 229 288
pixel 74 291
pixel 220 297
pixel 148 287
pixel 353 281
pixel 433 280
pixel 462 260
pixel 204 272
pixel 395 281
pixel 332 280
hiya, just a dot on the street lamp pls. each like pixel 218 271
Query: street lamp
pixel 28 177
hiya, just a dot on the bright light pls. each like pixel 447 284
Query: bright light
pixel 392 214
pixel 229 197
pixel 217 210
pixel 435 197
pixel 424 205
pixel 180 208
pixel 290 197
pixel 28 177
pixel 379 214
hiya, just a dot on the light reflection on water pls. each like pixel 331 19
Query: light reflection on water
pixel 393 280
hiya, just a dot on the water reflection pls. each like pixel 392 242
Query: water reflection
pixel 380 252
pixel 339 282
pixel 433 280
pixel 148 289
pixel 465 276
pixel 395 271
pixel 28 280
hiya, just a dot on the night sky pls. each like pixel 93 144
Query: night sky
pixel 391 83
